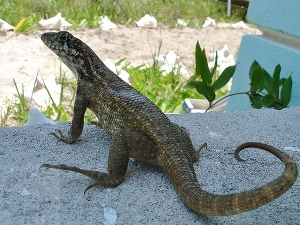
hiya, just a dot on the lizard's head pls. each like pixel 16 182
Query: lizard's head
pixel 66 47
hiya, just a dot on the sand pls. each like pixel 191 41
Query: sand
pixel 24 56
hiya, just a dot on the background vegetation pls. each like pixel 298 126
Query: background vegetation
pixel 169 91
pixel 85 13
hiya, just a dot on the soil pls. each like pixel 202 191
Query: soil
pixel 23 56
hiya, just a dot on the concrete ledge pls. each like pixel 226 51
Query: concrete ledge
pixel 47 196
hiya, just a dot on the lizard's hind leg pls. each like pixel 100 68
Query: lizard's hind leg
pixel 123 145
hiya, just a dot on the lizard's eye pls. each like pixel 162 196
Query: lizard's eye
pixel 62 38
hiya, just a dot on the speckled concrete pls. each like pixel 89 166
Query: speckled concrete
pixel 47 196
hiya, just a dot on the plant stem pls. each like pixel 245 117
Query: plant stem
pixel 226 96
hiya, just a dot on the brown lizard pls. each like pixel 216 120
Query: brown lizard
pixel 139 129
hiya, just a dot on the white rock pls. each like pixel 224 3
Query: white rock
pixel 240 25
pixel 181 23
pixel 117 70
pixel 225 59
pixel 4 26
pixel 147 22
pixel 216 135
pixel 36 117
pixel 224 25
pixel 224 56
pixel 106 24
pixel 183 71
pixel 209 22
pixel 223 53
pixel 35 94
pixel 110 216
pixel 226 62
pixel 211 64
pixel 25 192
pixel 172 58
pixel 124 76
pixel 167 62
pixel 41 98
pixel 55 23
pixel 171 62
pixel 110 65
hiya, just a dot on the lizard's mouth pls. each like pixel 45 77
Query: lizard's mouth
pixel 53 41
pixel 48 38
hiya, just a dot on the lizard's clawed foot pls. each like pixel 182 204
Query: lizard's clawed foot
pixel 62 137
pixel 92 185
pixel 102 179
pixel 204 145
pixel 58 166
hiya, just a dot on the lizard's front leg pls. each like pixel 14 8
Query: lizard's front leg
pixel 124 144
pixel 77 123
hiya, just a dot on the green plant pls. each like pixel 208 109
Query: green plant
pixel 57 109
pixel 268 91
pixel 85 13
pixel 16 112
pixel 208 82
pixel 166 91
pixel 21 112
pixel 265 90
pixel 4 116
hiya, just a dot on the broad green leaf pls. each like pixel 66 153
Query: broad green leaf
pixel 278 106
pixel 193 77
pixel 191 84
pixel 255 79
pixel 255 101
pixel 276 84
pixel 203 89
pixel 202 65
pixel 282 80
pixel 253 67
pixel 224 78
pixel 205 73
pixel 197 57
pixel 286 91
pixel 215 66
pixel 266 82
pixel 268 100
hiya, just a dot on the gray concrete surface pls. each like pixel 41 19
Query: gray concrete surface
pixel 30 195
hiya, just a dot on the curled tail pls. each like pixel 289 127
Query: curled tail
pixel 220 205
pixel 260 196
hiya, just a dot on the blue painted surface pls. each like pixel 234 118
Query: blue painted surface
pixel 268 53
pixel 280 44
pixel 280 15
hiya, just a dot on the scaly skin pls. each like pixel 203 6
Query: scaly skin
pixel 139 129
